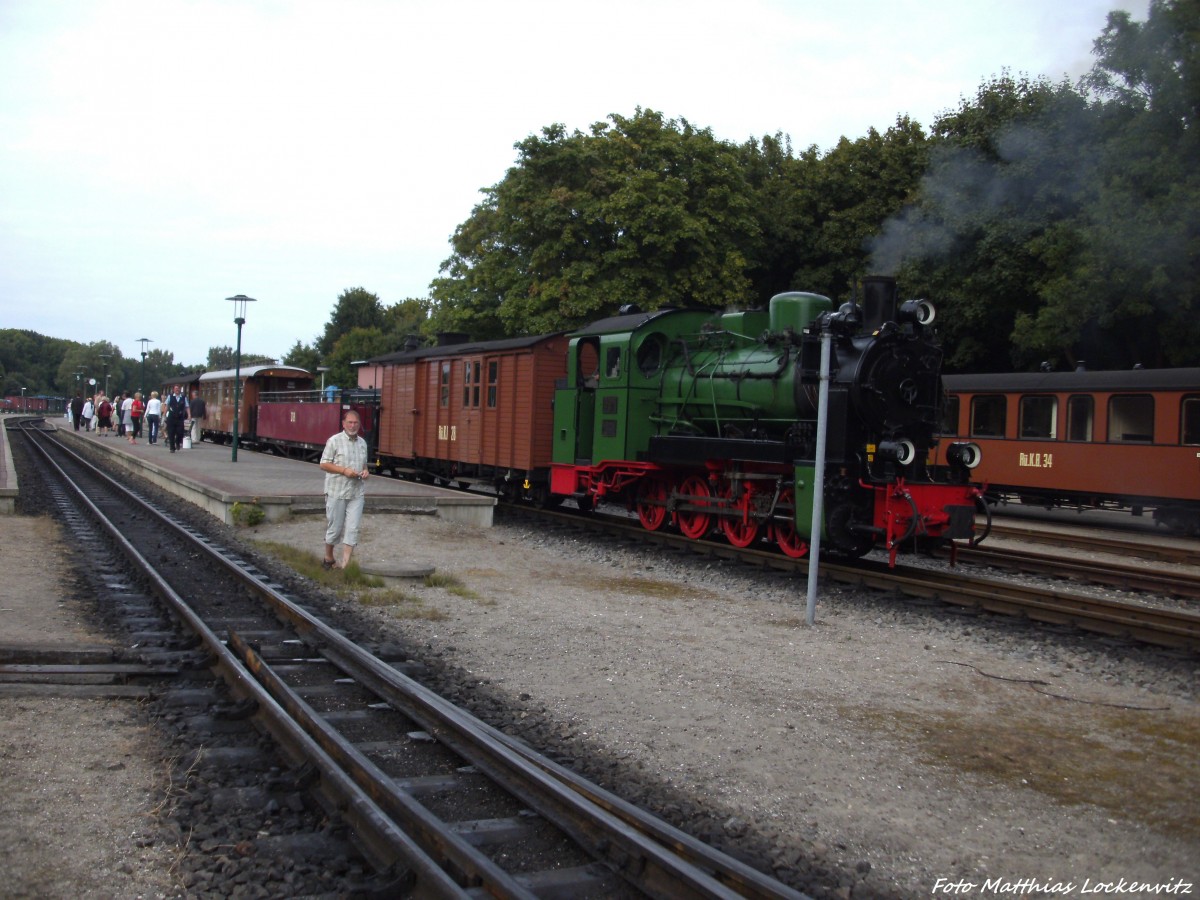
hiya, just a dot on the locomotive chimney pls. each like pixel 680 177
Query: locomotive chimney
pixel 879 302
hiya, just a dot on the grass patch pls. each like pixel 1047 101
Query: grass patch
pixel 367 590
pixel 309 565
pixel 452 584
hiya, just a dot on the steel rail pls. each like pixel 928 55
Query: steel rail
pixel 1114 574
pixel 1120 546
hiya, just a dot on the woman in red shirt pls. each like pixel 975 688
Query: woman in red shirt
pixel 135 413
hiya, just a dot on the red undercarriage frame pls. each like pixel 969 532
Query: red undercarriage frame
pixel 749 502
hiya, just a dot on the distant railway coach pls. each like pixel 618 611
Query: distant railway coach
pixel 473 411
pixel 39 403
pixel 218 391
pixel 1111 439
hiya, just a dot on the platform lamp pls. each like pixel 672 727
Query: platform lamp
pixel 24 405
pixel 143 342
pixel 239 318
pixel 104 358
pixel 322 370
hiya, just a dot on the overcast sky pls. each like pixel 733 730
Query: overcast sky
pixel 159 156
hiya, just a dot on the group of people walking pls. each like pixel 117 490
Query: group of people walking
pixel 169 416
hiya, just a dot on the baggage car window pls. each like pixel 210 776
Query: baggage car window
pixel 471 383
pixel 1039 417
pixel 1081 417
pixel 1131 418
pixel 1190 427
pixel 445 384
pixel 493 379
pixel 988 415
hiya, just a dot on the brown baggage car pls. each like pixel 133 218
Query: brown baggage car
pixel 470 412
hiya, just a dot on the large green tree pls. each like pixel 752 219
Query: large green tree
pixel 641 210
pixel 355 308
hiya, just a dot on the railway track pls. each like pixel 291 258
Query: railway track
pixel 1123 576
pixel 442 803
pixel 1163 627
pixel 1137 546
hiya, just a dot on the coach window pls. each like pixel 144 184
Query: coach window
pixel 1081 416
pixel 445 384
pixel 988 417
pixel 1131 418
pixel 1039 417
pixel 950 417
pixel 493 379
pixel 1190 425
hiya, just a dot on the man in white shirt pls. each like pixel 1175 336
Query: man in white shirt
pixel 344 462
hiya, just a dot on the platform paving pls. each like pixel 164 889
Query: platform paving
pixel 206 475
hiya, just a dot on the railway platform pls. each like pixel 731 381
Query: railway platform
pixel 8 476
pixel 206 476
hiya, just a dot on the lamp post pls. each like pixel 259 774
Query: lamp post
pixel 104 358
pixel 322 370
pixel 24 405
pixel 239 318
pixel 143 342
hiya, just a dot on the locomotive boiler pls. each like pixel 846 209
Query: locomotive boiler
pixel 710 422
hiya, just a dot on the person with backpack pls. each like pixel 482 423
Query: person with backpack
pixel 104 413
pixel 177 411
pixel 198 413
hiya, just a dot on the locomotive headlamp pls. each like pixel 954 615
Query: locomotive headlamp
pixel 920 311
pixel 968 455
pixel 902 452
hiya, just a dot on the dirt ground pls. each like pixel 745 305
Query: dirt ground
pixel 908 749
pixel 79 778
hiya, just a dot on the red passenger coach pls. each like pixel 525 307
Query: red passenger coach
pixel 298 423
pixel 1116 439
pixel 473 411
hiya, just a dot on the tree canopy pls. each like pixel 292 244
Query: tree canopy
pixel 1050 221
